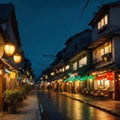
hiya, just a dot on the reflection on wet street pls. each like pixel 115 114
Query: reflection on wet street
pixel 59 107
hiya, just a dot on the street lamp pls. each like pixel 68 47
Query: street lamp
pixel 9 48
pixel 17 58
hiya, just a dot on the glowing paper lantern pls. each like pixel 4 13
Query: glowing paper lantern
pixel 12 75
pixel 9 49
pixel 17 58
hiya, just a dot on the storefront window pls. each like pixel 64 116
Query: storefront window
pixel 105 81
pixel 103 84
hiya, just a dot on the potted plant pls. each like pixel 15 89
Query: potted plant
pixel 11 98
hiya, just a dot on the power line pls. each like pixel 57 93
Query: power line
pixel 76 22
pixel 84 7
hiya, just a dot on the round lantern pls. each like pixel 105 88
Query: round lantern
pixel 9 49
pixel 17 58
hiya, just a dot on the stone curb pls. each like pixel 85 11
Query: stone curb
pixel 96 106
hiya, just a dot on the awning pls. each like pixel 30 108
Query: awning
pixel 80 78
pixel 71 79
pixel 100 77
pixel 108 76
pixel 91 77
pixel 83 78
pixel 77 77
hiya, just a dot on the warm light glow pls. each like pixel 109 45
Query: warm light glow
pixel 67 67
pixel 17 58
pixel 103 22
pixel 75 66
pixel 46 76
pixel 9 49
pixel 52 73
pixel 110 76
pixel 12 75
pixel 60 80
pixel 83 61
pixel 0 71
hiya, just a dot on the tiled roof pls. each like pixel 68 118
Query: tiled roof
pixel 76 35
pixel 104 8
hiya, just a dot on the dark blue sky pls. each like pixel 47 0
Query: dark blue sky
pixel 45 25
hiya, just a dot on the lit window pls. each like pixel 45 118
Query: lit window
pixel 75 66
pixel 63 69
pixel 101 53
pixel 83 61
pixel 99 24
pixel 106 19
pixel 52 73
pixel 60 70
pixel 98 53
pixel 108 48
pixel 46 76
pixel 67 67
pixel 103 22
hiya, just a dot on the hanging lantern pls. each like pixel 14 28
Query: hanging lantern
pixel 12 75
pixel 9 49
pixel 17 58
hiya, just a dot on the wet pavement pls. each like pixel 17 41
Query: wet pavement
pixel 67 106
pixel 110 106
pixel 26 110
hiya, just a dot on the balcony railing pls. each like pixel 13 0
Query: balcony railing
pixel 107 57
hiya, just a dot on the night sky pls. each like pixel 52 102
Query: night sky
pixel 45 25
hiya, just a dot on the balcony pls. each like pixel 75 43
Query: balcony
pixel 107 57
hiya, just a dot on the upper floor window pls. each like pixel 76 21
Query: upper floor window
pixel 98 53
pixel 83 61
pixel 46 76
pixel 75 66
pixel 63 69
pixel 60 70
pixel 108 48
pixel 52 73
pixel 103 22
pixel 67 67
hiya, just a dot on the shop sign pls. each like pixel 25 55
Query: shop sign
pixel 107 76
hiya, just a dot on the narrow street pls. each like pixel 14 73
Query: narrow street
pixel 59 59
pixel 59 107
